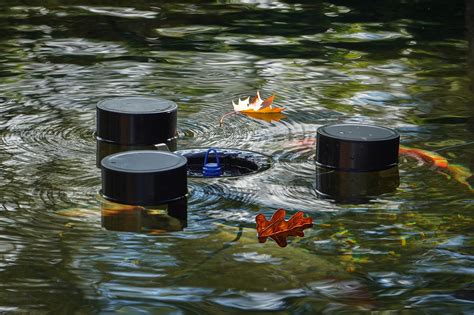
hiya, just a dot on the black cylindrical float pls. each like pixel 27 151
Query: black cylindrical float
pixel 355 147
pixel 136 120
pixel 144 177
pixel 134 123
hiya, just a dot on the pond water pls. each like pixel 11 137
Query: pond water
pixel 401 64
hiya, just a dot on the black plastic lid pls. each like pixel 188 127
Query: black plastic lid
pixel 144 177
pixel 105 148
pixel 355 147
pixel 136 120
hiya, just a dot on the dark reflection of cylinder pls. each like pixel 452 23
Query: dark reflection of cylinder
pixel 150 219
pixel 105 148
pixel 355 187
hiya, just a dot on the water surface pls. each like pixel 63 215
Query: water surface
pixel 393 63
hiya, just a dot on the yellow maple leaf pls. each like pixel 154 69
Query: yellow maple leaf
pixel 257 108
pixel 256 105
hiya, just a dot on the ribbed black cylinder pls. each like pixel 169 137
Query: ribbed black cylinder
pixel 144 177
pixel 136 120
pixel 354 147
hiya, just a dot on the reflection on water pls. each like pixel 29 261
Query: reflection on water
pixel 169 217
pixel 355 187
pixel 393 63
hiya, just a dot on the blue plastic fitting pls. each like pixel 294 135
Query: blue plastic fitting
pixel 211 169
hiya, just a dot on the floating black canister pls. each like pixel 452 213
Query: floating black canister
pixel 144 177
pixel 135 123
pixel 356 162
pixel 354 147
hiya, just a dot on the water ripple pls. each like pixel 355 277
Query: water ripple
pixel 28 136
pixel 122 12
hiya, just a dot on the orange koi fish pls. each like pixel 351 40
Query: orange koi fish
pixel 427 156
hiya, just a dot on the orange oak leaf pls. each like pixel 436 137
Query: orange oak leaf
pixel 278 229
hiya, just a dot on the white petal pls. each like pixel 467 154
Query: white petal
pixel 239 107
pixel 244 102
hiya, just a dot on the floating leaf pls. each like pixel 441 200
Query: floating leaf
pixel 256 105
pixel 257 108
pixel 268 117
pixel 278 229
pixel 268 102
pixel 265 110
